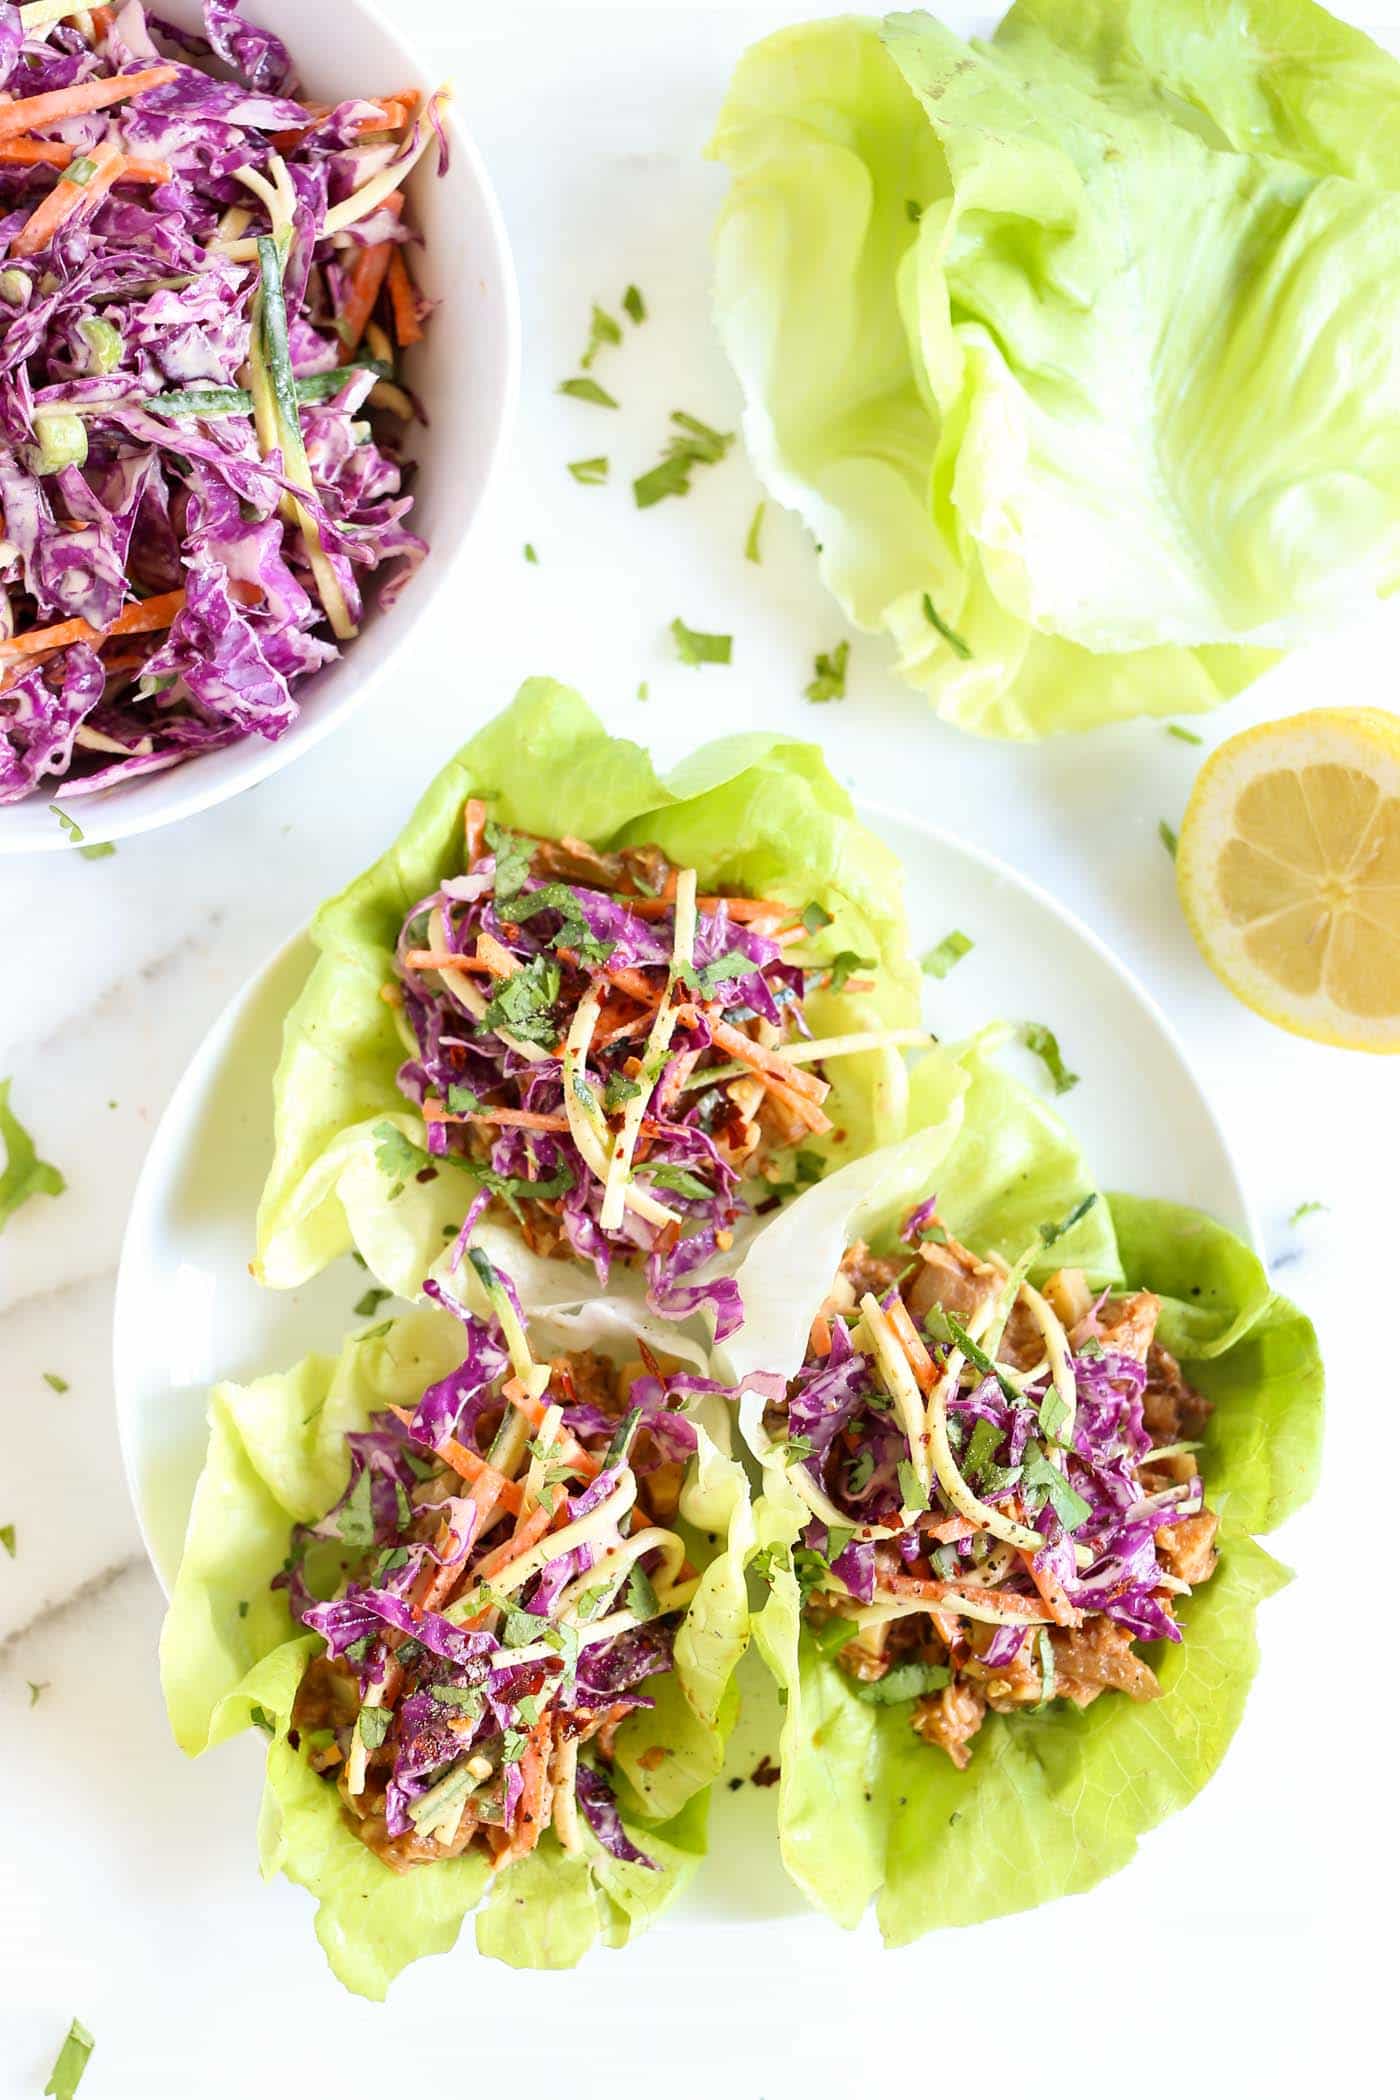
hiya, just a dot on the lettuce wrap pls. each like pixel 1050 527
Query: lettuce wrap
pixel 1014 321
pixel 247 1628
pixel 755 815
pixel 1052 1799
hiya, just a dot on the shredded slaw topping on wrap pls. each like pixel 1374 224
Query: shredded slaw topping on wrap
pixel 506 1577
pixel 619 1059
pixel 204 293
pixel 1001 1479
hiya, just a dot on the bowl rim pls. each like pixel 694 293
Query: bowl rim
pixel 121 814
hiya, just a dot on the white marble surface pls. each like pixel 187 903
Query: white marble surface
pixel 127 1890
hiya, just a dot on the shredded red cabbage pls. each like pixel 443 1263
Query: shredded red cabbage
pixel 131 466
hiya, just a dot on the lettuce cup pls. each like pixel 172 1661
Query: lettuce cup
pixel 592 1020
pixel 486 1604
pixel 1011 1470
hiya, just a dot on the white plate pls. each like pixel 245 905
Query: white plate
pixel 188 1313
pixel 465 370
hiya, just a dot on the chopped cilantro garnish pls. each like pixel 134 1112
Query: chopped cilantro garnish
pixel 1042 1043
pixel 829 682
pixel 588 390
pixel 1305 1210
pixel 602 328
pixel 25 1173
pixel 975 1354
pixel 903 1681
pixel 530 554
pixel 591 472
pixel 860 1473
pixel 1041 1483
pixel 592 1602
pixel 521 1004
pixel 513 1744
pixel 373 1725
pixel 843 967
pixel 752 550
pixel 355 1522
pixel 634 306
pixel 7 1539
pixel 912 1492
pixel 797 1448
pixel 950 950
pixel 367 1306
pixel 981 1448
pixel 465 1101
pixel 695 446
pixel 950 635
pixel 1053 1413
pixel 913 210
pixel 397 1156
pixel 78 2045
pixel 644 691
pixel 665 1175
pixel 1183 735
pixel 513 1188
pixel 1167 836
pixel 511 854
pixel 620 1089
pixel 58 1384
pixel 694 647
pixel 466 1698
pixel 37 1690
pixel 642 1600
pixel 814 917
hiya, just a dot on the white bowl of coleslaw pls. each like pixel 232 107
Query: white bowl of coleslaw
pixel 464 372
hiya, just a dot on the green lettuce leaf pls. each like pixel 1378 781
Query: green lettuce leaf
pixel 1052 1801
pixel 1016 399
pixel 759 812
pixel 231 1656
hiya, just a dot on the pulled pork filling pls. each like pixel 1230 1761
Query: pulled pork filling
pixel 619 1059
pixel 494 1587
pixel 1002 1484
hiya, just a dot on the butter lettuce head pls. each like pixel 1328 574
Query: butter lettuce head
pixel 1053 1801
pixel 232 1656
pixel 759 813
pixel 1087 334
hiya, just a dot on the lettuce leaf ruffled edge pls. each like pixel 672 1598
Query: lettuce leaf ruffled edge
pixel 759 812
pixel 1054 1802
pixel 231 1657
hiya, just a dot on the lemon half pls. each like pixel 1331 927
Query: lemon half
pixel 1288 867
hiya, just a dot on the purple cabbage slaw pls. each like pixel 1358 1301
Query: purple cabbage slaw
pixel 114 489
pixel 462 1067
pixel 408 1519
pixel 842 1434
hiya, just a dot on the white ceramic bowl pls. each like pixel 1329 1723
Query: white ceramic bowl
pixel 465 371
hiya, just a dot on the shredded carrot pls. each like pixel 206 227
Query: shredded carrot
pixel 31 112
pixel 367 274
pixel 819 1340
pixel 101 19
pixel 920 1587
pixel 66 198
pixel 36 153
pixel 530 1824
pixel 474 824
pixel 144 616
pixel 495 958
pixel 740 909
pixel 569 1446
pixel 907 1335
pixel 470 1465
pixel 949 1530
pixel 1052 1592
pixel 515 1118
pixel 767 1063
pixel 444 959
pixel 403 302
